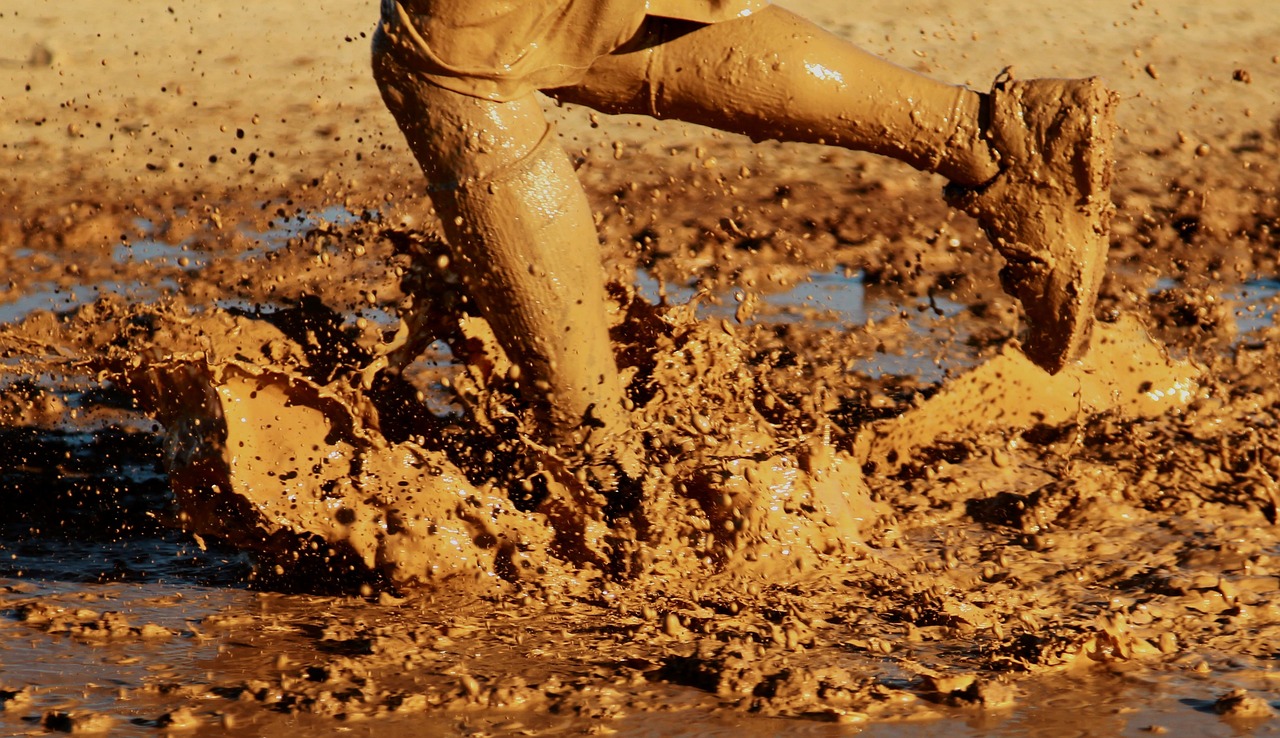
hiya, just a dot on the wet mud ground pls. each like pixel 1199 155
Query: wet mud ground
pixel 1050 564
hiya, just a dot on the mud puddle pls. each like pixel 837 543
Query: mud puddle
pixel 958 554
pixel 839 300
pixel 142 659
pixel 1082 569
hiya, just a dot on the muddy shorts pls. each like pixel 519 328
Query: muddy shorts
pixel 505 49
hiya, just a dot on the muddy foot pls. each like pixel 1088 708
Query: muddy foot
pixel 1049 210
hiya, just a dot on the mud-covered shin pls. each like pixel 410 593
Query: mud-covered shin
pixel 524 239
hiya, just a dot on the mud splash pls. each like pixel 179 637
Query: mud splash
pixel 297 436
pixel 265 455
pixel 877 551
pixel 1123 372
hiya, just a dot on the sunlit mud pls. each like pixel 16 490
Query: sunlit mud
pixel 266 471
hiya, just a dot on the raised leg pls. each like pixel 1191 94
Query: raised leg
pixel 1031 161
pixel 775 75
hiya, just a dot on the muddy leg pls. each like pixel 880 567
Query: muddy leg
pixel 521 230
pixel 774 75
pixel 1031 161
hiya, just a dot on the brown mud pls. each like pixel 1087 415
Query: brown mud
pixel 864 511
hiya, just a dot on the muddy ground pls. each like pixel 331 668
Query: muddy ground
pixel 204 205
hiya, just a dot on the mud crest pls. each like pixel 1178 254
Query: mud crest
pixel 355 478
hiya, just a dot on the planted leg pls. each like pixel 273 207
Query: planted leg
pixel 521 231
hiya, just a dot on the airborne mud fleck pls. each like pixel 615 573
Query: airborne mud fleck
pixel 239 496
